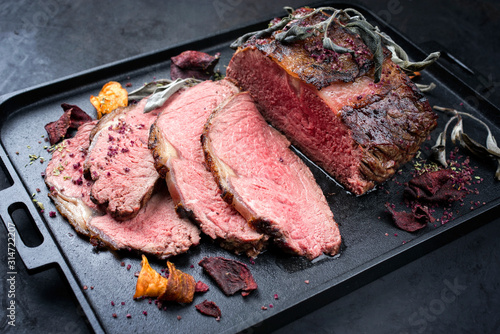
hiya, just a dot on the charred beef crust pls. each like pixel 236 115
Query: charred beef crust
pixel 265 226
pixel 226 195
pixel 315 65
pixel 153 145
pixel 389 128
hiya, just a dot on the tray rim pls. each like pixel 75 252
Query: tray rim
pixel 378 266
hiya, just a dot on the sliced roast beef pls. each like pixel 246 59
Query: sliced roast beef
pixel 175 143
pixel 329 106
pixel 69 190
pixel 120 162
pixel 156 229
pixel 266 182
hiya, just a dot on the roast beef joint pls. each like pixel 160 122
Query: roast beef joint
pixel 356 114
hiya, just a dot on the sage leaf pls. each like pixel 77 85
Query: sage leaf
pixel 348 18
pixel 357 14
pixel 456 133
pixel 148 89
pixel 473 146
pixel 490 150
pixel 426 88
pixel 260 33
pixel 328 44
pixel 372 40
pixel 491 144
pixel 438 151
pixel 419 65
pixel 242 40
pixel 158 98
pixel 400 57
pixel 295 33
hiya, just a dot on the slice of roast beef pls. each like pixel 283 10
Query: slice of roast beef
pixel 329 106
pixel 266 182
pixel 156 229
pixel 120 162
pixel 175 143
pixel 69 190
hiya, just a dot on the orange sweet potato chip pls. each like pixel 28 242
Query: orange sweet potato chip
pixel 150 283
pixel 178 287
pixel 111 96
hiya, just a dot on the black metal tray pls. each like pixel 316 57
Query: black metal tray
pixel 373 246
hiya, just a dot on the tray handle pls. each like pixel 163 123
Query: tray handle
pixel 34 258
pixel 44 255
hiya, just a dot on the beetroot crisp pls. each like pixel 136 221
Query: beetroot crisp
pixel 429 188
pixel 411 221
pixel 230 275
pixel 193 64
pixel 209 308
pixel 434 187
pixel 72 118
pixel 201 287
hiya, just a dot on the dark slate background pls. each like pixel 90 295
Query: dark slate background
pixel 42 41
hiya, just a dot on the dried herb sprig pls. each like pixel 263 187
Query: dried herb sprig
pixel 160 91
pixel 147 89
pixel 425 88
pixel 350 19
pixel 438 151
pixel 457 134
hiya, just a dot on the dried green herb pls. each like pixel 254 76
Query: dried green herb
pixel 426 88
pixel 458 130
pixel 439 149
pixel 400 58
pixel 295 33
pixel 350 19
pixel 159 91
pixel 490 150
pixel 147 89
pixel 261 33
pixel 329 45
